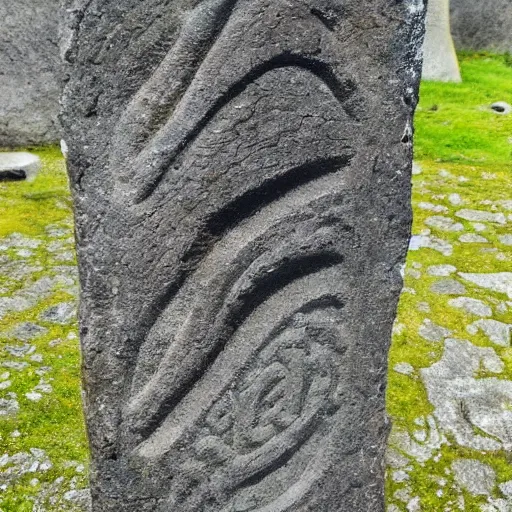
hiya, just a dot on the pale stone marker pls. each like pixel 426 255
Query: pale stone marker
pixel 241 176
pixel 439 60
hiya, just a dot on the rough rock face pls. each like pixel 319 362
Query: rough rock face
pixel 478 25
pixel 241 177
pixel 29 72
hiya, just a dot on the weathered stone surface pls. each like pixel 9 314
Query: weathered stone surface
pixel 18 166
pixel 241 175
pixel 478 25
pixel 29 72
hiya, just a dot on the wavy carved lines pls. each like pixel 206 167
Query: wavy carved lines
pixel 154 103
pixel 178 133
pixel 234 235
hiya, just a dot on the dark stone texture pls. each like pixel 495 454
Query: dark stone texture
pixel 29 72
pixel 482 25
pixel 241 178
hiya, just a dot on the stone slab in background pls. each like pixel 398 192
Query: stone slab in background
pixel 482 24
pixel 18 166
pixel 439 58
pixel 29 72
pixel 241 175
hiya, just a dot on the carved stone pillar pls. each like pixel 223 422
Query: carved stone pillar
pixel 241 177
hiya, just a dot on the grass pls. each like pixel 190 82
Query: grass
pixel 55 423
pixel 457 132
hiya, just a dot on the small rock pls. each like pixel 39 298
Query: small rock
pixel 433 332
pixel 37 358
pixel 416 168
pixel 430 242
pixel 443 223
pixel 436 208
pixel 448 287
pixel 5 384
pixel 445 174
pixel 404 368
pixel 14 365
pixel 474 476
pixel 400 476
pixel 472 238
pixel 415 274
pixel 24 253
pixel 18 166
pixel 62 313
pixel 501 107
pixel 424 307
pixel 506 488
pixel 505 239
pixel 414 505
pixel 27 331
pixel 455 199
pixel 33 396
pixel 481 216
pixel 8 407
pixel 20 351
pixel 43 387
pixel 441 270
pixel 473 306
pixel 479 227
pixel 497 332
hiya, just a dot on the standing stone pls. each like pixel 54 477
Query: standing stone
pixel 241 178
pixel 439 58
pixel 482 25
pixel 29 72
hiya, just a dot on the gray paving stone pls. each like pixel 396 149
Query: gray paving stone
pixel 473 306
pixel 481 216
pixel 474 476
pixel 498 332
pixel 500 282
pixel 448 287
pixel 433 332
